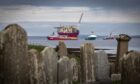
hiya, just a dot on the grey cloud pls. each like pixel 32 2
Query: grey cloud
pixel 90 3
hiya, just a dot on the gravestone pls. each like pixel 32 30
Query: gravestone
pixel 1 44
pixel 131 68
pixel 87 63
pixel 102 66
pixel 65 71
pixel 37 71
pixel 74 69
pixel 1 58
pixel 116 77
pixel 14 56
pixel 50 59
pixel 62 49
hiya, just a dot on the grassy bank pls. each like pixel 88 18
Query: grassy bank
pixel 40 48
pixel 37 47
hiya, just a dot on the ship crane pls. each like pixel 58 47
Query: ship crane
pixel 79 22
pixel 81 18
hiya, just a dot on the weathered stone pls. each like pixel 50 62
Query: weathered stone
pixel 37 71
pixel 116 77
pixel 122 48
pixel 102 66
pixel 87 63
pixel 62 49
pixel 14 56
pixel 123 37
pixel 112 68
pixel 131 68
pixel 50 58
pixel 64 71
pixel 0 42
pixel 74 69
pixel 1 57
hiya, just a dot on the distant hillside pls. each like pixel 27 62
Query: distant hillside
pixel 103 36
pixel 135 36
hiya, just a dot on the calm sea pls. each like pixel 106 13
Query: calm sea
pixel 134 43
pixel 46 28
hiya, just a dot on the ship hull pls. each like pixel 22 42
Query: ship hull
pixel 69 34
pixel 90 38
pixel 109 38
pixel 61 38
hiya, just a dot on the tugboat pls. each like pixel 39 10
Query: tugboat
pixel 69 32
pixel 91 37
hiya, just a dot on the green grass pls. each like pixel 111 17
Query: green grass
pixel 75 57
pixel 116 82
pixel 39 48
pixel 78 59
pixel 76 82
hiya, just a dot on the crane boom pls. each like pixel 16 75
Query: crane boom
pixel 81 18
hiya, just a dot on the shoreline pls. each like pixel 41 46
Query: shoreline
pixel 75 51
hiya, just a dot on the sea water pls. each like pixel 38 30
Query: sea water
pixel 99 43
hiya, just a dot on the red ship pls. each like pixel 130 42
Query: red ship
pixel 66 32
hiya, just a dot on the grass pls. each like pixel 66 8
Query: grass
pixel 76 82
pixel 78 59
pixel 39 48
pixel 116 82
pixel 75 57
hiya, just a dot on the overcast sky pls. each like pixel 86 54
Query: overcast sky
pixel 120 11
pixel 95 11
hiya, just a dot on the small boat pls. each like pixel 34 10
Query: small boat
pixel 91 37
pixel 110 37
